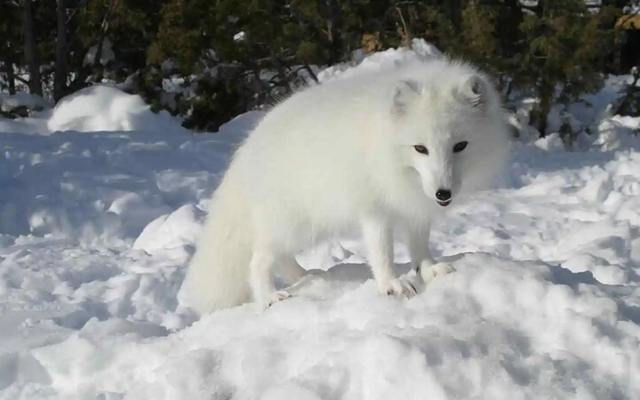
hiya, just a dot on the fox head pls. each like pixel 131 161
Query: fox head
pixel 449 128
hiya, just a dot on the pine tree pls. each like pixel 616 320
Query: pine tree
pixel 566 46
pixel 62 50
pixel 629 102
pixel 30 47
pixel 10 46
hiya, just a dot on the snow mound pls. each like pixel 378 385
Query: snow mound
pixel 106 108
pixel 363 63
pixel 495 329
pixel 171 231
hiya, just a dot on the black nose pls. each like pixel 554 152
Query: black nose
pixel 443 194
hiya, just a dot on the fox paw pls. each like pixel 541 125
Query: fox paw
pixel 276 297
pixel 430 273
pixel 399 287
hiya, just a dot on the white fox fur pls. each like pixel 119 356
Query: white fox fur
pixel 343 155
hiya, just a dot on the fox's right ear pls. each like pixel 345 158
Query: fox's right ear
pixel 404 93
pixel 473 91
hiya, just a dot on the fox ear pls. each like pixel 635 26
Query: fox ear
pixel 472 91
pixel 404 93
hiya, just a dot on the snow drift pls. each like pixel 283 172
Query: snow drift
pixel 106 108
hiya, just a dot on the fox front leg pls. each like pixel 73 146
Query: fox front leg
pixel 421 259
pixel 378 239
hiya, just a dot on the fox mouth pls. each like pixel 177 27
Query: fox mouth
pixel 443 203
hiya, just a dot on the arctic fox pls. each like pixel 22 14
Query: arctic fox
pixel 383 151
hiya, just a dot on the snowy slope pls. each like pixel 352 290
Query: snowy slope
pixel 96 230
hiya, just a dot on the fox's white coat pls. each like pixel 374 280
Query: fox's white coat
pixel 343 155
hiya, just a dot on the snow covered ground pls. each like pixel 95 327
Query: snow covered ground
pixel 96 229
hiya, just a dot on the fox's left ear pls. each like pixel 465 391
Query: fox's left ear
pixel 404 93
pixel 473 91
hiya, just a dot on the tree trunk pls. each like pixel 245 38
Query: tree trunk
pixel 334 27
pixel 97 60
pixel 545 93
pixel 11 77
pixel 455 14
pixel 61 68
pixel 30 52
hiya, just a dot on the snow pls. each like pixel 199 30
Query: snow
pixel 98 108
pixel 30 101
pixel 362 63
pixel 534 3
pixel 106 54
pixel 96 231
pixel 632 8
pixel 106 108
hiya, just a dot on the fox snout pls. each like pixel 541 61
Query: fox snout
pixel 443 197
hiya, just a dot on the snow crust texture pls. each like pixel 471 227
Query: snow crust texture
pixel 96 231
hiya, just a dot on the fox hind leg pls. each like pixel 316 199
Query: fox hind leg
pixel 261 279
pixel 289 270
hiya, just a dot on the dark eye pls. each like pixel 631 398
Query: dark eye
pixel 421 149
pixel 460 146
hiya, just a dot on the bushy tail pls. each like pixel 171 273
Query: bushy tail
pixel 217 277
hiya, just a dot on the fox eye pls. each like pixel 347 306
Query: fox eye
pixel 460 146
pixel 421 149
